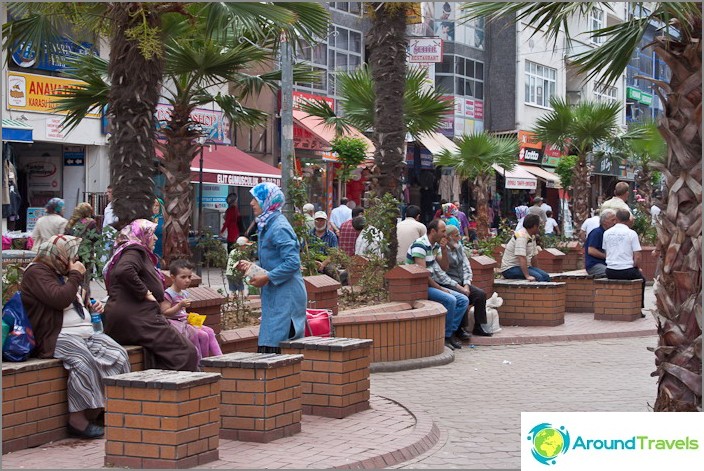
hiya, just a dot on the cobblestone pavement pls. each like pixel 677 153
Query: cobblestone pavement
pixel 477 400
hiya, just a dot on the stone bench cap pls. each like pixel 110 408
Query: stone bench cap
pixel 251 360
pixel 161 379
pixel 35 364
pixel 574 275
pixel 335 344
pixel 529 284
pixel 607 281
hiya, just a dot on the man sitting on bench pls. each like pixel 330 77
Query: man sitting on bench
pixel 594 254
pixel 520 250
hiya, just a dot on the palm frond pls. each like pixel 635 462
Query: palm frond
pixel 238 114
pixel 322 109
pixel 478 152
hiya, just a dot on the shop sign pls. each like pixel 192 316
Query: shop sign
pixel 54 129
pixel 447 126
pixel 246 181
pixel 302 97
pixel 425 50
pixel 646 98
pixel 74 156
pixel 469 107
pixel 413 13
pixel 533 156
pixel 478 109
pixel 551 155
pixel 215 124
pixel 520 183
pixel 30 92
pixel 52 59
pixel 527 139
pixel 33 214
pixel 633 93
pixel 44 173
pixel 215 196
pixel 606 166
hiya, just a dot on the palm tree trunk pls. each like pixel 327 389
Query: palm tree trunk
pixel 678 287
pixel 481 190
pixel 387 42
pixel 580 188
pixel 132 107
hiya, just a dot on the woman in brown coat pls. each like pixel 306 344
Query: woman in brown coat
pixel 55 303
pixel 135 289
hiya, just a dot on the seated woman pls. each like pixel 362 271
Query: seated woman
pixel 136 288
pixel 55 303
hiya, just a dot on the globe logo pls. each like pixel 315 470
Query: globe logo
pixel 548 442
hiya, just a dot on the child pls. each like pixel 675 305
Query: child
pixel 243 250
pixel 174 308
pixel 552 228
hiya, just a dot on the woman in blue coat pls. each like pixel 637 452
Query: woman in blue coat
pixel 283 294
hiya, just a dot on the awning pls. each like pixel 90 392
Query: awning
pixel 228 165
pixel 16 131
pixel 314 134
pixel 436 143
pixel 552 180
pixel 517 179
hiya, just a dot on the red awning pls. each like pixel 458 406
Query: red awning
pixel 228 165
pixel 311 133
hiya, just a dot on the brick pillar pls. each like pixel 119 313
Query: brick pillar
pixel 579 292
pixel 574 259
pixel 260 395
pixel 357 265
pixel 407 283
pixel 334 374
pixel 322 292
pixel 617 300
pixel 207 301
pixel 483 273
pixel 162 419
pixel 549 260
pixel 648 262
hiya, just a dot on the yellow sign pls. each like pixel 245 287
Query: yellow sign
pixel 413 14
pixel 29 92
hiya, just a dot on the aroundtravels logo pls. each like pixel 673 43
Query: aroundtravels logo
pixel 548 442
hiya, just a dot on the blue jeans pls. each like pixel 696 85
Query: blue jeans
pixel 456 305
pixel 515 273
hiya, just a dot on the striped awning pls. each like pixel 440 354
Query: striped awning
pixel 16 131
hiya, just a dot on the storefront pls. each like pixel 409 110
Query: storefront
pixel 606 174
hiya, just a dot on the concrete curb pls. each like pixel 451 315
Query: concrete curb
pixel 447 356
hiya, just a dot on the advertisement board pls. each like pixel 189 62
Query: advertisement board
pixel 424 50
pixel 30 92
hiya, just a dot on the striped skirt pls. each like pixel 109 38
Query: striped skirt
pixel 88 361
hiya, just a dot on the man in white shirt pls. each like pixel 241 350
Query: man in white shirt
pixel 623 252
pixel 408 230
pixel 339 215
pixel 108 216
pixel 589 225
pixel 545 207
pixel 620 199
pixel 551 226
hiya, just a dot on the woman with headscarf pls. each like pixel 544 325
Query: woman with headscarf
pixel 158 218
pixel 84 226
pixel 283 293
pixel 136 288
pixel 449 215
pixel 51 224
pixel 56 306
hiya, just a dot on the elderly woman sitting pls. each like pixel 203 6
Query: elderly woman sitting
pixel 55 303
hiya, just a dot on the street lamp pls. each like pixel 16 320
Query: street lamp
pixel 201 140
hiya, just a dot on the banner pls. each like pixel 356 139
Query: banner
pixel 29 92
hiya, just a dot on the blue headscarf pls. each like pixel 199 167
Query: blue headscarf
pixel 271 199
pixel 55 205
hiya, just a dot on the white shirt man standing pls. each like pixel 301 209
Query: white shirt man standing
pixel 623 252
pixel 109 217
pixel 339 215
pixel 408 230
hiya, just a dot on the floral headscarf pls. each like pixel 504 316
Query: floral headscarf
pixel 449 210
pixel 270 198
pixel 81 213
pixel 138 232
pixel 58 252
pixel 160 214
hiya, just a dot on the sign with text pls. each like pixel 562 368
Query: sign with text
pixel 424 50
pixel 215 124
pixel 533 156
pixel 247 181
pixel 74 156
pixel 33 214
pixel 54 130
pixel 30 92
pixel 527 139
pixel 515 183
pixel 302 97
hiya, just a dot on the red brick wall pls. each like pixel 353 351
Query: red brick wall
pixel 531 303
pixel 574 259
pixel 617 300
pixel 322 292
pixel 580 292
pixel 648 262
pixel 483 273
pixel 407 283
pixel 549 260
pixel 354 272
pixel 208 302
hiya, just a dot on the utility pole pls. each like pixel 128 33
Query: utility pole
pixel 286 121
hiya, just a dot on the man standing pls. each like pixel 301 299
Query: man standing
pixel 594 254
pixel 348 235
pixel 520 250
pixel 536 209
pixel 408 230
pixel 339 215
pixel 427 252
pixel 620 199
pixel 459 278
pixel 623 252
pixel 590 224
pixel 109 218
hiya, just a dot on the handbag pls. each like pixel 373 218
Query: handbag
pixel 319 323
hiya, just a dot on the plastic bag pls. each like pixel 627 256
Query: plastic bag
pixel 319 323
pixel 20 340
pixel 196 320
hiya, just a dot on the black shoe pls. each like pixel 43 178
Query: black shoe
pixel 453 342
pixel 462 334
pixel 91 431
pixel 480 332
pixel 448 343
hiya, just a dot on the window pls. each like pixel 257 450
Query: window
pixel 344 55
pixel 596 21
pixel 350 7
pixel 470 33
pixel 541 83
pixel 315 57
pixel 460 76
pixel 604 94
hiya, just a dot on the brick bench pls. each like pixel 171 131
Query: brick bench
pixel 208 302
pixel 322 292
pixel 34 402
pixel 162 419
pixel 529 303
pixel 617 300
pixel 334 374
pixel 260 395
pixel 580 290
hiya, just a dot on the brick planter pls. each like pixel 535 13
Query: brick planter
pixel 574 259
pixel 356 268
pixel 483 273
pixel 162 419
pixel 579 293
pixel 334 374
pixel 649 262
pixel 617 300
pixel 498 253
pixel 322 292
pixel 531 303
pixel 260 395
pixel 549 260
pixel 207 301
pixel 407 283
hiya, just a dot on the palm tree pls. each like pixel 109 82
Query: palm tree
pixel 678 287
pixel 475 157
pixel 579 128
